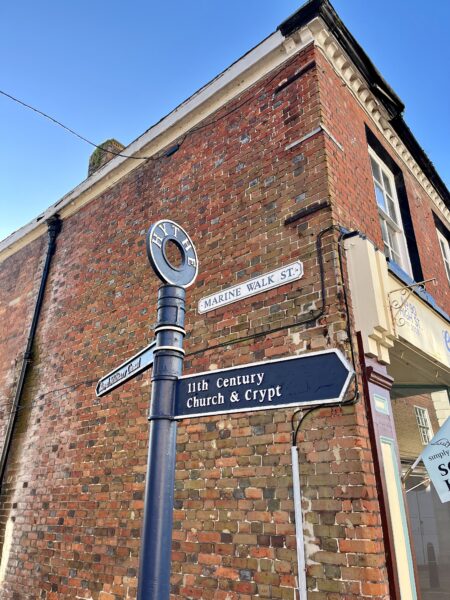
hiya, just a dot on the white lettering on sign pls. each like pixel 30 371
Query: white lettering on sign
pixel 132 367
pixel 125 371
pixel 157 240
pixel 253 391
pixel 194 402
pixel 252 287
pixel 240 380
pixel 435 457
pixel 163 227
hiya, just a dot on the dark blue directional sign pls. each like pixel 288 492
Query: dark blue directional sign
pixel 138 363
pixel 305 380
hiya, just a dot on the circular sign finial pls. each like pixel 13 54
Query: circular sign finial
pixel 166 236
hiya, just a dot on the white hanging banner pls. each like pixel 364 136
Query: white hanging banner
pixel 436 458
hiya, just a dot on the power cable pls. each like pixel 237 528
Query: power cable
pixel 78 135
pixel 193 129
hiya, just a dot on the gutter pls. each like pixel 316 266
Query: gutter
pixel 53 228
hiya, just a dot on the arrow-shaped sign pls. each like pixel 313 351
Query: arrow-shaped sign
pixel 138 363
pixel 307 380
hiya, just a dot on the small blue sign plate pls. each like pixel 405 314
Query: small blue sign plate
pixel 305 380
pixel 138 363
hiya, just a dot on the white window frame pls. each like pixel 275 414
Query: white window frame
pixel 391 223
pixel 445 251
pixel 424 424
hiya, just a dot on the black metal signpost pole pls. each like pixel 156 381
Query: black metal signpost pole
pixel 154 570
pixel 317 378
pixel 154 573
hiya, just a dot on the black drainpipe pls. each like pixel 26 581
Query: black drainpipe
pixel 54 227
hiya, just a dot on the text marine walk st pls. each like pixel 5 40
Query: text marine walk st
pixel 308 379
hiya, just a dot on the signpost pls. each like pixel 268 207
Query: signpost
pixel 308 379
pixel 165 354
pixel 156 543
pixel 315 378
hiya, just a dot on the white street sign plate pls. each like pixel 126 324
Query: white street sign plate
pixel 254 286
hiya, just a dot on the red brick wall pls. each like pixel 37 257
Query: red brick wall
pixel 79 462
pixel 19 283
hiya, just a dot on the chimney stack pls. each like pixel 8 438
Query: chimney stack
pixel 104 154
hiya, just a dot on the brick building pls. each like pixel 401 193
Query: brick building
pixel 298 151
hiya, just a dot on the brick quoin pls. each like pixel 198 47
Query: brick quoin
pixel 72 501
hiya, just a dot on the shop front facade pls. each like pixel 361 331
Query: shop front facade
pixel 404 339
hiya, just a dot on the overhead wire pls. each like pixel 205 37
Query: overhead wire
pixel 193 129
pixel 70 130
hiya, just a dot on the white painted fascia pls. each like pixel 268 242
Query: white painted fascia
pixel 259 61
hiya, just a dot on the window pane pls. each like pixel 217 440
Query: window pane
pixel 423 421
pixel 384 232
pixel 391 236
pixel 396 257
pixel 380 197
pixel 394 244
pixel 375 170
pixel 429 517
pixel 447 268
pixel 391 209
pixel 445 250
pixel 387 185
pixel 394 240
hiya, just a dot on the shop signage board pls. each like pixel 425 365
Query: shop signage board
pixel 254 286
pixel 317 378
pixel 436 458
pixel 420 325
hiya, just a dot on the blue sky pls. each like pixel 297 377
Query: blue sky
pixel 113 69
